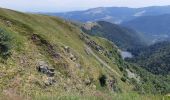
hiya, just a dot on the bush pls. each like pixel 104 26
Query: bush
pixel 123 79
pixel 102 80
pixel 5 44
pixel 121 69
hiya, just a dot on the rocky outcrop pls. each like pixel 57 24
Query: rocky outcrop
pixel 44 68
pixel 49 48
pixel 108 54
pixel 95 46
pixel 112 85
pixel 72 57
pixel 70 53
pixel 9 23
pixel 50 81
pixel 91 43
pixel 67 49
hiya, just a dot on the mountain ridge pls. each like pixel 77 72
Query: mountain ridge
pixel 154 27
pixel 112 14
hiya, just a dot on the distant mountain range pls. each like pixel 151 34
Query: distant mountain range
pixel 154 27
pixel 152 22
pixel 112 14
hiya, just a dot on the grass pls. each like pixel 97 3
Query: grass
pixel 58 33
pixel 124 96
pixel 19 71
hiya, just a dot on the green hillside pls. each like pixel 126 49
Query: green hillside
pixel 46 57
pixel 123 37
pixel 154 58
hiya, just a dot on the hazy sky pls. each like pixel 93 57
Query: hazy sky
pixel 69 5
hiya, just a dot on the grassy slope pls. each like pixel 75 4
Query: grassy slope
pixel 19 75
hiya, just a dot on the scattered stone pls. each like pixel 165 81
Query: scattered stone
pixel 50 81
pixel 91 43
pixel 50 74
pixel 43 67
pixel 132 75
pixel 111 83
pixel 40 41
pixel 9 23
pixel 72 57
pixel 87 81
pixel 67 49
pixel 78 66
pixel 87 51
pixel 94 45
pixel 108 54
pixel 94 87
pixel 99 48
pixel 51 69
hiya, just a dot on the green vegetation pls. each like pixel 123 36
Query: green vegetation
pixel 123 37
pixel 5 45
pixel 121 96
pixel 150 83
pixel 154 58
pixel 37 38
pixel 155 77
pixel 102 80
pixel 74 65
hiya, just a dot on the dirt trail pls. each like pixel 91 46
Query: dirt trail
pixel 101 61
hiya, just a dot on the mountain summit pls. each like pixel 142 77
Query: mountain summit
pixel 115 15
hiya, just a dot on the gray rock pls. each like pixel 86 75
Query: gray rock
pixel 50 74
pixel 50 81
pixel 67 49
pixel 87 82
pixel 9 23
pixel 51 69
pixel 72 57
pixel 43 67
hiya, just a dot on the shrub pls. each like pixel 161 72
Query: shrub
pixel 102 80
pixel 121 69
pixel 5 44
pixel 123 79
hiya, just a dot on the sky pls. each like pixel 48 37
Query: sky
pixel 72 5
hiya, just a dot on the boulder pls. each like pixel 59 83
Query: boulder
pixel 9 23
pixel 87 51
pixel 50 81
pixel 78 66
pixel 87 81
pixel 50 74
pixel 51 69
pixel 67 49
pixel 72 57
pixel 43 67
